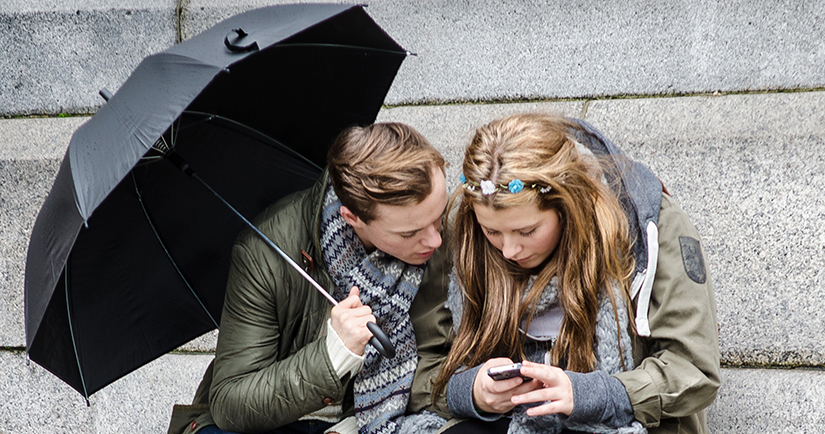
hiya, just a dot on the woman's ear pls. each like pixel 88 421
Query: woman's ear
pixel 350 217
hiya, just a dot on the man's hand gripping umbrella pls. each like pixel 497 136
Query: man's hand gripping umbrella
pixel 379 340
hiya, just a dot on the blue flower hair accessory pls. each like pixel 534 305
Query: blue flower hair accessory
pixel 487 187
pixel 515 186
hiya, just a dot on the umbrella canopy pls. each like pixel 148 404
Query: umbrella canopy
pixel 128 257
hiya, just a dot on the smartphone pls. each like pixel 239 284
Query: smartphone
pixel 506 371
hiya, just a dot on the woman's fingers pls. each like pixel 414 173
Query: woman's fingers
pixel 493 396
pixel 555 388
pixel 552 407
pixel 545 373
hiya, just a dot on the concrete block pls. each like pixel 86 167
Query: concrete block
pixel 769 401
pixel 34 401
pixel 494 50
pixel 58 56
pixel 199 15
pixel 490 51
pixel 749 170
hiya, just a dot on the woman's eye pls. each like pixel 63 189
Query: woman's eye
pixel 491 233
pixel 407 236
pixel 527 234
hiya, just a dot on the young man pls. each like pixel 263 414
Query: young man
pixel 285 361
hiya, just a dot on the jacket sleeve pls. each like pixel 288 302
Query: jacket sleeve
pixel 460 396
pixel 432 323
pixel 254 387
pixel 679 371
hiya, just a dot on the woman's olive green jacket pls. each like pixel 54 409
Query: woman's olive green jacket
pixel 271 364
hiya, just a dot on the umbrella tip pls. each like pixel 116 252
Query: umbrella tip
pixel 105 93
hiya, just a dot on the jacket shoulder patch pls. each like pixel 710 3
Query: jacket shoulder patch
pixel 692 259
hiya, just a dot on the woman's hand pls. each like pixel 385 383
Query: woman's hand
pixel 495 396
pixel 555 387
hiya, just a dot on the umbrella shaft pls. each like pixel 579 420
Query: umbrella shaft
pixel 271 244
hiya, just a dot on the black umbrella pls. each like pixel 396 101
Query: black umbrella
pixel 129 256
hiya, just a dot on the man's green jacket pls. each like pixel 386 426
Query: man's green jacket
pixel 271 365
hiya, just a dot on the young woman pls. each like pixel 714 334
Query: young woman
pixel 559 239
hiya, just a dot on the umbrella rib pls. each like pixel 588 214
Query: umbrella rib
pixel 253 130
pixel 350 47
pixel 168 254
pixel 71 333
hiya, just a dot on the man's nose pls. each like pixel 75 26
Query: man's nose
pixel 432 237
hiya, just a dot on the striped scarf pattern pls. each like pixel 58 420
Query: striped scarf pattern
pixel 388 286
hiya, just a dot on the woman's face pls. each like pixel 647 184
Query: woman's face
pixel 524 234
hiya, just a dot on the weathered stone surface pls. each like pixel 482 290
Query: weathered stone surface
pixel 62 55
pixel 34 401
pixel 769 401
pixel 58 56
pixel 556 49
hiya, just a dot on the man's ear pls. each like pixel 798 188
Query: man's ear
pixel 350 217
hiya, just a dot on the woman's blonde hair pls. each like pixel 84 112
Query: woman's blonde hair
pixel 594 249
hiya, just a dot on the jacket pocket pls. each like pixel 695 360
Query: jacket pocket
pixel 189 419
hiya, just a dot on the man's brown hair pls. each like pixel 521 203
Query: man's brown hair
pixel 384 163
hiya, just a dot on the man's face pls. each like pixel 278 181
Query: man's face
pixel 410 233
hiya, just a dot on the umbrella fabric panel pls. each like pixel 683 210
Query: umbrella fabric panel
pixel 351 28
pixel 103 150
pixel 108 332
pixel 56 352
pixel 274 105
pixel 129 304
pixel 58 223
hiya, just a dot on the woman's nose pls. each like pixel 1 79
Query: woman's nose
pixel 510 248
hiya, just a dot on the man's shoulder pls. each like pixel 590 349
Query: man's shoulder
pixel 290 218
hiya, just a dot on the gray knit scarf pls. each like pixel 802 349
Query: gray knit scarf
pixel 605 348
pixel 388 286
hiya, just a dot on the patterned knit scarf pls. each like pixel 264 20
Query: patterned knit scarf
pixel 605 347
pixel 388 286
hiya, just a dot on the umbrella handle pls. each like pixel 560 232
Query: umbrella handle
pixel 380 341
pixel 234 47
